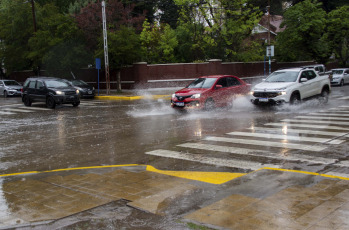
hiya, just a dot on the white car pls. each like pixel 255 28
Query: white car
pixel 340 77
pixel 10 88
pixel 291 86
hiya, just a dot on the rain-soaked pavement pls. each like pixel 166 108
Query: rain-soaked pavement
pixel 137 164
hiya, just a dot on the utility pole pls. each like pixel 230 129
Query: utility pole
pixel 33 12
pixel 106 61
pixel 269 35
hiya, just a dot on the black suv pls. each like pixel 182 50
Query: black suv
pixel 50 90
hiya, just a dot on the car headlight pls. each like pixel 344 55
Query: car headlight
pixel 282 93
pixel 196 96
pixel 173 95
pixel 59 93
pixel 77 91
pixel 251 92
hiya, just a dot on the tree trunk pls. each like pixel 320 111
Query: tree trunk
pixel 118 81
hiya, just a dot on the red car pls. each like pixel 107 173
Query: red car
pixel 209 92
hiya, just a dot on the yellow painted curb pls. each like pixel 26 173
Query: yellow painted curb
pixel 131 98
pixel 208 177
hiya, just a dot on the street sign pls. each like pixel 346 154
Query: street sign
pixel 270 51
pixel 98 63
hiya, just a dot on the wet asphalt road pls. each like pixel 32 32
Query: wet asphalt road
pixel 110 132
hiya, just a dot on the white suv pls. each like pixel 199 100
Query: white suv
pixel 291 86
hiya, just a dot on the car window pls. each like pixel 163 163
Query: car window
pixel 39 84
pixel 283 76
pixel 232 81
pixel 79 83
pixel 202 83
pixel 56 84
pixel 309 74
pixel 223 82
pixel 337 71
pixel 32 84
pixel 8 83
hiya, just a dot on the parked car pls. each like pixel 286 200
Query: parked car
pixel 340 76
pixel 10 88
pixel 291 86
pixel 86 91
pixel 208 92
pixel 53 91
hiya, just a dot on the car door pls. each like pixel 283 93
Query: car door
pixel 219 92
pixel 346 76
pixel 305 87
pixel 40 91
pixel 30 90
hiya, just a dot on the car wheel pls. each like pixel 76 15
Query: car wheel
pixel 27 101
pixel 209 104
pixel 295 99
pixel 50 102
pixel 324 96
pixel 75 104
pixel 5 93
pixel 342 83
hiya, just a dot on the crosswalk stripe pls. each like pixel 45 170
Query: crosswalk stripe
pixel 343 98
pixel 336 110
pixel 267 143
pixel 226 149
pixel 18 110
pixel 329 114
pixel 344 106
pixel 287 137
pixel 6 113
pixel 249 165
pixel 307 126
pixel 287 130
pixel 316 121
pixel 325 118
pixel 35 108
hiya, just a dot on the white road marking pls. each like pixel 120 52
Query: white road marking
pixel 6 113
pixel 250 165
pixel 35 108
pixel 343 98
pixel 329 114
pixel 308 126
pixel 325 118
pixel 268 143
pixel 287 137
pixel 316 122
pixel 18 110
pixel 287 130
pixel 293 157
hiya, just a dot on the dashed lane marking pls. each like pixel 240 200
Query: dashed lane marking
pixel 6 113
pixel 287 130
pixel 34 108
pixel 268 143
pixel 329 114
pixel 18 110
pixel 287 137
pixel 292 157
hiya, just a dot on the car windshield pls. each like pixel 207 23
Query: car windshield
pixel 283 76
pixel 79 83
pixel 8 83
pixel 202 83
pixel 337 71
pixel 56 84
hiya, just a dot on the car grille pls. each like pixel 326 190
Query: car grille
pixel 70 93
pixel 266 94
pixel 181 98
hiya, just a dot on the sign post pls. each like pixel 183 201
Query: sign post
pixel 270 53
pixel 98 67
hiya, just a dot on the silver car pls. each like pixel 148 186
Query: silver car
pixel 340 76
pixel 10 88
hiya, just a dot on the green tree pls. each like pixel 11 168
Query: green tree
pixel 16 25
pixel 338 33
pixel 303 38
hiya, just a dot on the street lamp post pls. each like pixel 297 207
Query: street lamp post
pixel 106 61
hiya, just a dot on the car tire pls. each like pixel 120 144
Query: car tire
pixel 295 99
pixel 342 83
pixel 27 101
pixel 209 104
pixel 76 104
pixel 324 96
pixel 50 102
pixel 5 94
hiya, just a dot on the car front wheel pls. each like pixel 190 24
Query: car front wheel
pixel 295 99
pixel 75 104
pixel 5 93
pixel 50 102
pixel 209 104
pixel 342 83
pixel 324 96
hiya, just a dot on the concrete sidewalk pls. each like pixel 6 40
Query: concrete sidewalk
pixel 263 199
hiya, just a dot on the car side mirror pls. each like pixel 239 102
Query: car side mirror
pixel 219 86
pixel 303 79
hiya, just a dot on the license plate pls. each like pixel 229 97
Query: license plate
pixel 71 97
pixel 89 92
pixel 179 103
pixel 263 99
